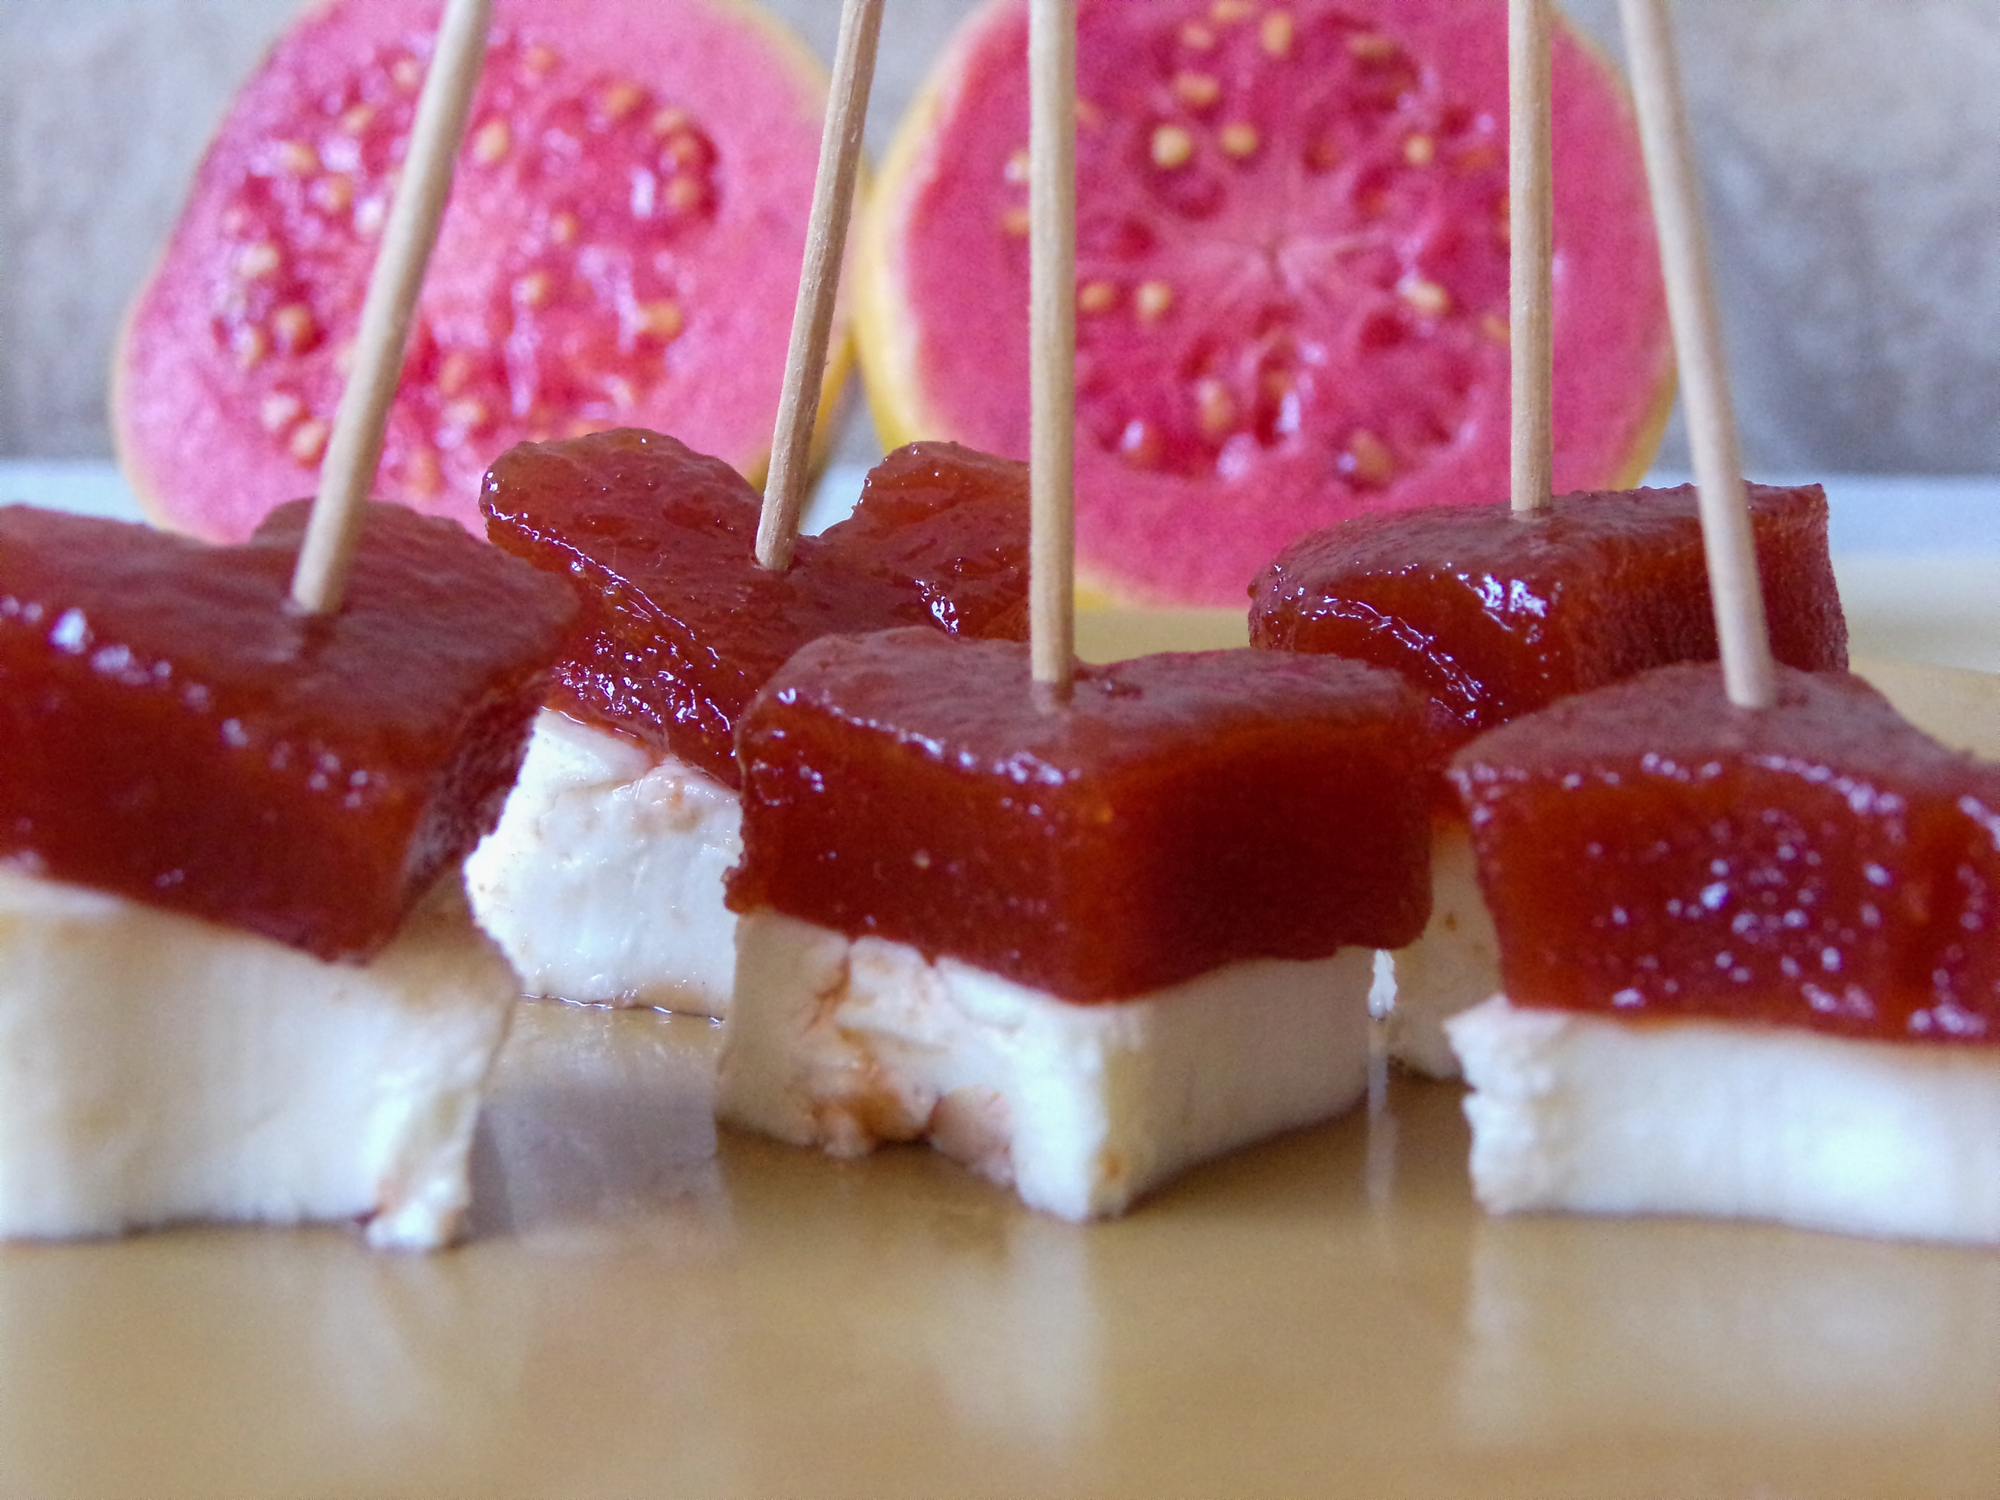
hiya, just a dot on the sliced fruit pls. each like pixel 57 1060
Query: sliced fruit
pixel 623 245
pixel 1291 273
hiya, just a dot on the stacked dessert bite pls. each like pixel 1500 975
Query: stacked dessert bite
pixel 237 976
pixel 240 980
pixel 1492 615
pixel 604 879
pixel 1078 928
pixel 1748 961
pixel 1742 912
pixel 1077 947
pixel 1497 612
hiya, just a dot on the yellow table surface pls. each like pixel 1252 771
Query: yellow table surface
pixel 645 1309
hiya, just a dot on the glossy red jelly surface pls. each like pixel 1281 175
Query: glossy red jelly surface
pixel 953 521
pixel 680 626
pixel 1182 812
pixel 1649 850
pixel 1495 615
pixel 172 731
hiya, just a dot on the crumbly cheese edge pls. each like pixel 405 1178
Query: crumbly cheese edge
pixel 156 1068
pixel 847 1044
pixel 602 881
pixel 1452 966
pixel 1596 1114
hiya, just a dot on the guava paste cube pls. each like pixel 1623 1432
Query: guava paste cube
pixel 172 731
pixel 1180 813
pixel 680 626
pixel 1494 614
pixel 1648 850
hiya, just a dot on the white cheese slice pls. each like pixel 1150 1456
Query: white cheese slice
pixel 1600 1115
pixel 603 880
pixel 1452 966
pixel 846 1045
pixel 157 1068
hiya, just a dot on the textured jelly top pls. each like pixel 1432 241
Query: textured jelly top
pixel 173 731
pixel 1181 812
pixel 680 626
pixel 1650 850
pixel 1495 614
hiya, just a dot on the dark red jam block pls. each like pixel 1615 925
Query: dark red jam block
pixel 680 626
pixel 1182 812
pixel 1495 615
pixel 172 731
pixel 950 519
pixel 1649 850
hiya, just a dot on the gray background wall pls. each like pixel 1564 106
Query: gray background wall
pixel 1851 155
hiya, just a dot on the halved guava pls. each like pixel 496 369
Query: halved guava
pixel 622 247
pixel 1291 273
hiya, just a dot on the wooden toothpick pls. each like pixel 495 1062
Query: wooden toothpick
pixel 1052 343
pixel 1529 219
pixel 355 448
pixel 812 318
pixel 1718 467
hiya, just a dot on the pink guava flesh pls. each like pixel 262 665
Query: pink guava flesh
pixel 1292 273
pixel 622 245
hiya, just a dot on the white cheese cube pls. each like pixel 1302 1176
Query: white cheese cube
pixel 603 880
pixel 1453 966
pixel 1601 1115
pixel 846 1045
pixel 156 1068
